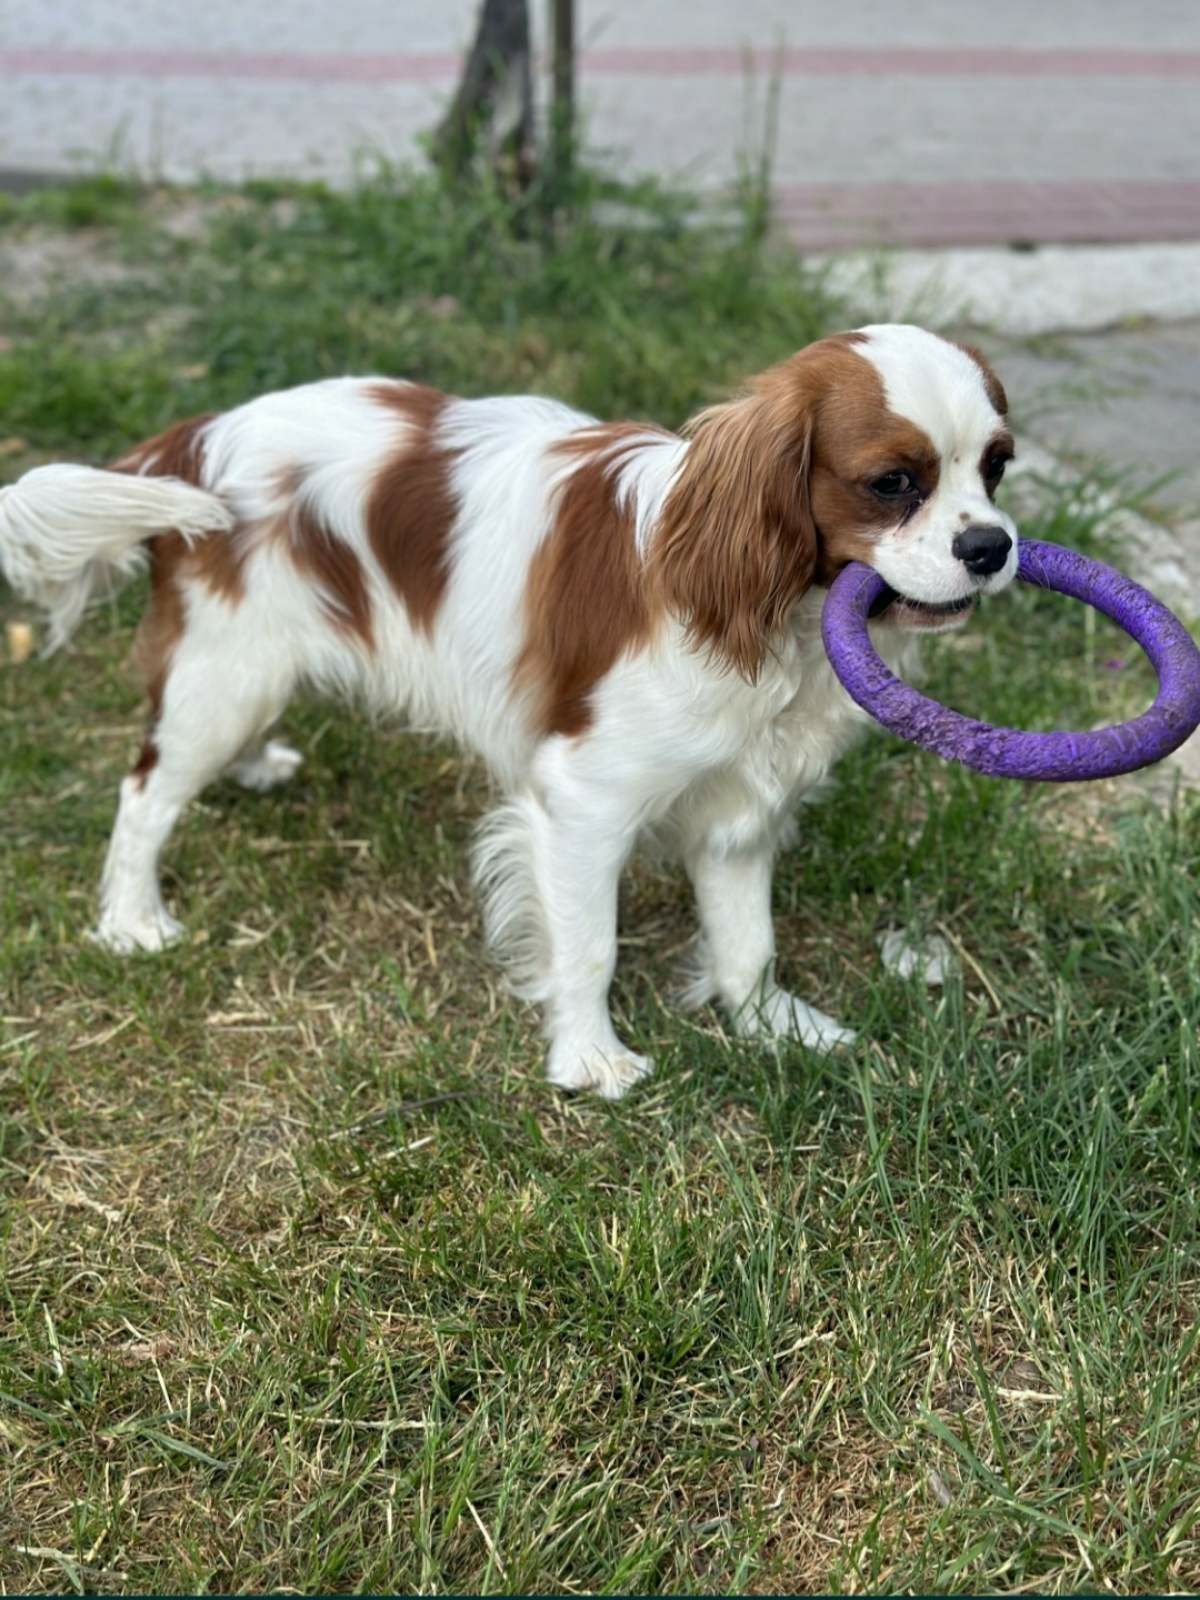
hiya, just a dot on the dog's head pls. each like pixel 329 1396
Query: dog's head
pixel 884 446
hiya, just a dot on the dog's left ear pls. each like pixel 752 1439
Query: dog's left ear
pixel 736 544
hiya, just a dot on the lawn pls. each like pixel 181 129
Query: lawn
pixel 308 1281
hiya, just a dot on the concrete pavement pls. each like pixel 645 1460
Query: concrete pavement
pixel 939 122
pixel 1128 398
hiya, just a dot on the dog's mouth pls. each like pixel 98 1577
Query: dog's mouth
pixel 932 615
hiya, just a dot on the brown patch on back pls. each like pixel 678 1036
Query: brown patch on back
pixel 175 453
pixel 413 506
pixel 161 627
pixel 331 564
pixel 216 560
pixel 586 598
pixel 995 389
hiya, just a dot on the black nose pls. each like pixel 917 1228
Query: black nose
pixel 982 550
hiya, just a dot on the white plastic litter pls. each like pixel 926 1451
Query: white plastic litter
pixel 904 956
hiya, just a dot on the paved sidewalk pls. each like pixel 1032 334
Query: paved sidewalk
pixel 1129 398
pixel 938 122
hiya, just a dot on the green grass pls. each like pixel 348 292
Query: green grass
pixel 628 308
pixel 309 1282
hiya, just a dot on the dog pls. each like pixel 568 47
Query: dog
pixel 622 621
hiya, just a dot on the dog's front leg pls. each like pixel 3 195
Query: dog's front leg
pixel 733 897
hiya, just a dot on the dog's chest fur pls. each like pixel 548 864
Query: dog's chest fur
pixel 796 724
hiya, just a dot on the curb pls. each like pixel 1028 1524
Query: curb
pixel 1050 288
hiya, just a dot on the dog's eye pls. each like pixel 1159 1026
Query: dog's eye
pixel 994 470
pixel 894 486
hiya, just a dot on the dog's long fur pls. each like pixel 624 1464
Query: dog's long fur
pixel 622 621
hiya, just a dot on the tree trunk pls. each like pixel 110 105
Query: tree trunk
pixel 562 109
pixel 492 111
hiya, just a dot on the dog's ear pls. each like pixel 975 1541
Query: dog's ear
pixel 736 545
pixel 995 389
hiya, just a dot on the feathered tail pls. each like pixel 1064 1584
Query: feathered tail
pixel 67 532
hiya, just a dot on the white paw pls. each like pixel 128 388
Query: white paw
pixel 267 768
pixel 125 935
pixel 782 1016
pixel 608 1073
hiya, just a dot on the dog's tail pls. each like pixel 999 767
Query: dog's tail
pixel 67 532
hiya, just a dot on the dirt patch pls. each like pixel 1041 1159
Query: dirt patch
pixel 34 264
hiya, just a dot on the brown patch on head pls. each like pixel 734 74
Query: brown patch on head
pixel 860 440
pixel 586 599
pixel 995 389
pixel 413 506
pixel 997 453
pixel 773 496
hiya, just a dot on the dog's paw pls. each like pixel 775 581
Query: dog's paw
pixel 267 768
pixel 593 1069
pixel 783 1016
pixel 124 936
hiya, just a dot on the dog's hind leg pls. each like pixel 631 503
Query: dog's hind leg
pixel 266 766
pixel 220 695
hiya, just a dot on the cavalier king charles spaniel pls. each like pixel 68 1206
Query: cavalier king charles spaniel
pixel 622 621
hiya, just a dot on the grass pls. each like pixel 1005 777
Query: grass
pixel 308 1281
pixel 626 309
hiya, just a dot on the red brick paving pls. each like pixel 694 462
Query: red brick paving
pixel 427 66
pixel 835 215
pixel 819 215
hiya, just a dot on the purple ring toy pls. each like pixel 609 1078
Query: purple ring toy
pixel 1008 752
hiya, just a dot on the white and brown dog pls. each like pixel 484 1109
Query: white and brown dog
pixel 623 622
